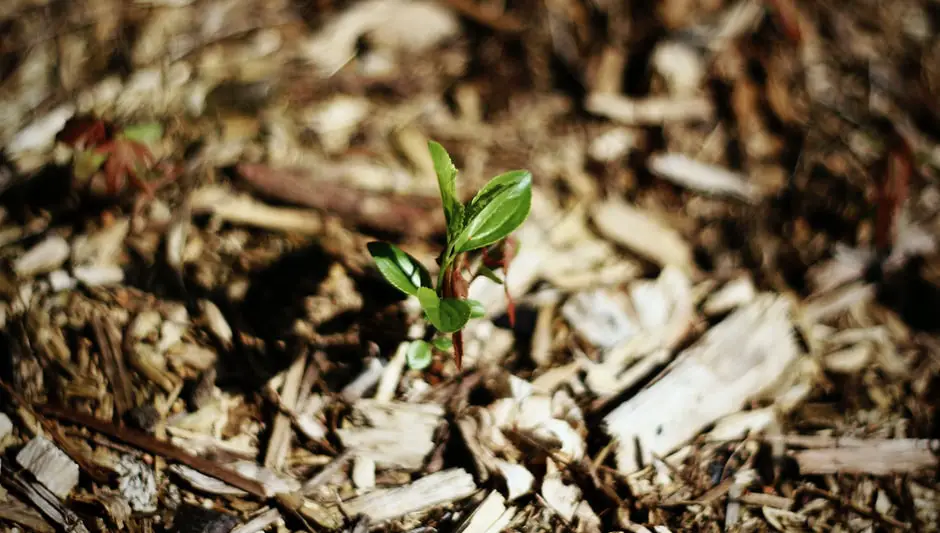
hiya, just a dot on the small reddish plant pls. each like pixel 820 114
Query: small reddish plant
pixel 120 157
pixel 480 228
pixel 892 189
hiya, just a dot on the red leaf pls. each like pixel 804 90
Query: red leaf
pixel 125 158
pixel 83 132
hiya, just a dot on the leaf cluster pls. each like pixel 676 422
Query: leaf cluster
pixel 484 223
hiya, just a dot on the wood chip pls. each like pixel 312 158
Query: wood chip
pixel 651 111
pixel 643 234
pixel 735 361
pixel 491 516
pixel 708 179
pixel 398 435
pixel 50 254
pixel 51 466
pixel 430 491
pixel 243 209
pixel 876 457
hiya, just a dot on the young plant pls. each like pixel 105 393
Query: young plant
pixel 480 227
pixel 121 157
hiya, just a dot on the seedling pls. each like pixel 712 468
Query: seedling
pixel 122 156
pixel 483 227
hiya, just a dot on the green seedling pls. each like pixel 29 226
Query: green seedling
pixel 478 234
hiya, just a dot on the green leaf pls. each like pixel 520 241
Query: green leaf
pixel 148 133
pixel 476 309
pixel 488 273
pixel 418 355
pixel 442 343
pixel 496 211
pixel 86 163
pixel 447 180
pixel 402 270
pixel 446 314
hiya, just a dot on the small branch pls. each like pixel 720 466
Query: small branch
pixel 864 511
pixel 149 444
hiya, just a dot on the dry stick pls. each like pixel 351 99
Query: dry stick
pixel 414 215
pixel 96 472
pixel 165 449
pixel 864 511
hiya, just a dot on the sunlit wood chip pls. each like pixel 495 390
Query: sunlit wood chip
pixel 243 209
pixel 205 483
pixel 734 294
pixel 430 491
pixel 739 359
pixel 709 179
pixel 51 466
pixel 644 234
pixel 45 257
pixel 519 481
pixel 876 457
pixel 491 516
pixel 562 499
pixel 599 318
pixel 652 111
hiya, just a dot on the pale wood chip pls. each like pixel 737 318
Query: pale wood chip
pixel 650 111
pixel 644 234
pixel 490 516
pixel 737 360
pixel 51 466
pixel 709 179
pixel 243 209
pixel 430 491
pixel 876 457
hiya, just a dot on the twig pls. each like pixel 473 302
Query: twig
pixel 408 214
pixel 96 472
pixel 165 449
pixel 864 511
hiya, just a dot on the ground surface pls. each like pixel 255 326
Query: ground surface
pixel 725 296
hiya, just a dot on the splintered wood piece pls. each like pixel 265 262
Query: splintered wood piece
pixel 651 111
pixel 17 513
pixel 50 465
pixel 169 451
pixel 47 502
pixel 430 491
pixel 260 522
pixel 876 457
pixel 643 234
pixel 281 434
pixel 243 209
pixel 491 516
pixel 399 435
pixel 737 360
pixel 708 179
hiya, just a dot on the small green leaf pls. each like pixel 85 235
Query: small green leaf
pixel 402 270
pixel 476 309
pixel 447 180
pixel 86 163
pixel 446 314
pixel 488 273
pixel 496 211
pixel 418 355
pixel 442 343
pixel 148 133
